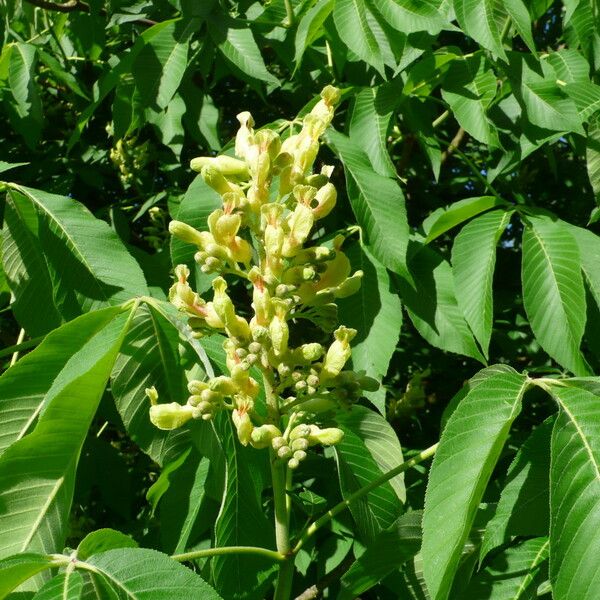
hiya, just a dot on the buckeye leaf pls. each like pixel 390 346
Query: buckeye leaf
pixel 553 291
pixel 469 448
pixel 473 262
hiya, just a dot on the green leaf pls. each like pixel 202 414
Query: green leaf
pixel 483 20
pixel 469 89
pixel 586 96
pixel 569 66
pixel 523 506
pixel 60 74
pixel 589 254
pixel 37 471
pixel 143 574
pixel 389 551
pixel 150 357
pixel 14 570
pixel 553 292
pixel 369 449
pixel 369 123
pixel 26 270
pixel 378 204
pixel 515 574
pixel 521 19
pixel 159 66
pixel 575 495
pixel 89 266
pixel 29 386
pixel 442 220
pixel 432 306
pixel 241 520
pixel 408 16
pixel 310 28
pixel 237 44
pixel 352 25
pixel 473 262
pixel 592 155
pixel 376 313
pixel 102 540
pixel 182 503
pixel 469 448
pixel 545 103
pixel 6 166
pixel 66 586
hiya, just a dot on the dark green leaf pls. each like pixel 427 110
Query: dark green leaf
pixel 102 540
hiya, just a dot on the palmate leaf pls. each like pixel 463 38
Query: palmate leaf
pixel 237 44
pixel 352 24
pixel 469 448
pixel 575 495
pixel 432 306
pixel 376 313
pixel 514 574
pixel 369 449
pixel 369 123
pixel 36 472
pixel 469 90
pixel 66 586
pixel 377 202
pixel 408 16
pixel 143 574
pixel 482 20
pixel 523 506
pixel 389 551
pixel 150 357
pixel 88 264
pixel 473 262
pixel 241 520
pixel 26 270
pixel 310 28
pixel 553 292
pixel 159 66
pixel 14 570
pixel 31 384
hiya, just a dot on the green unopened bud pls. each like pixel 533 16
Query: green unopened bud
pixel 284 452
pixel 244 140
pixel 226 165
pixel 312 352
pixel 339 352
pixel 223 385
pixel 293 463
pixel 278 442
pixel 170 416
pixel 186 233
pixel 326 437
pixel 243 425
pixel 216 180
pixel 300 444
pixel 299 455
pixel 263 436
pixel 255 347
pixel 300 431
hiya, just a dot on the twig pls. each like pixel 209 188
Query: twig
pixel 314 590
pixel 454 144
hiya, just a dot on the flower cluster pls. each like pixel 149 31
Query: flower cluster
pixel 262 235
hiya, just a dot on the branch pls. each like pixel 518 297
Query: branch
pixel 338 508
pixel 229 550
pixel 69 6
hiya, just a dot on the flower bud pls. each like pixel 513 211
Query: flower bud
pixel 278 327
pixel 216 180
pixel 326 198
pixel 339 352
pixel 312 352
pixel 263 436
pixel 299 224
pixel 243 425
pixel 326 437
pixel 170 416
pixel 278 442
pixel 223 385
pixel 293 463
pixel 284 452
pixel 300 444
pixel 300 431
pixel 299 455
pixel 244 139
pixel 186 233
pixel 226 165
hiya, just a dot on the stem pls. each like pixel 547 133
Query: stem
pixel 440 119
pixel 281 482
pixel 338 508
pixel 289 11
pixel 228 550
pixel 15 356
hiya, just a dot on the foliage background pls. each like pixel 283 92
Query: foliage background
pixel 106 103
